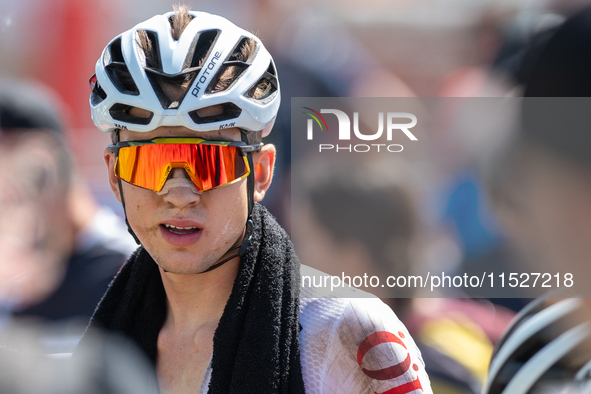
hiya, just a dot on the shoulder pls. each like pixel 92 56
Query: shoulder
pixel 356 344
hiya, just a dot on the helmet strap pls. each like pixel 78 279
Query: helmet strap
pixel 125 213
pixel 249 226
pixel 250 192
pixel 115 141
pixel 250 177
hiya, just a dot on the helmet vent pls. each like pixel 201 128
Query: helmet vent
pixel 117 69
pixel 271 69
pixel 113 54
pixel 244 51
pixel 241 57
pixel 201 48
pixel 123 112
pixel 230 111
pixel 148 42
pixel 97 95
pixel 265 89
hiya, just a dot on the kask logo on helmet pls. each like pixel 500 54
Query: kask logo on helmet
pixel 394 122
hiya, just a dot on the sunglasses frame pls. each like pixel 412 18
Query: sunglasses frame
pixel 245 149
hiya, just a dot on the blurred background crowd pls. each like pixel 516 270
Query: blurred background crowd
pixel 424 48
pixel 460 209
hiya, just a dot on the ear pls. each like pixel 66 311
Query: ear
pixel 264 164
pixel 109 158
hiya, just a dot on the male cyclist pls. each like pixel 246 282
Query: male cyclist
pixel 213 294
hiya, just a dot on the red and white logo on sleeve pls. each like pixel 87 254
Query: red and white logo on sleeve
pixel 406 368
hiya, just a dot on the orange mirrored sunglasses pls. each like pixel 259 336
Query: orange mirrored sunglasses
pixel 209 164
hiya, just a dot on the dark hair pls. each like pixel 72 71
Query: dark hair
pixel 25 105
pixel 26 108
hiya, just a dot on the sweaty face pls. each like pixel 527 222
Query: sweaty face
pixel 185 232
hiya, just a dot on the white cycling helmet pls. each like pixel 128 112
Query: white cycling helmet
pixel 206 48
pixel 546 346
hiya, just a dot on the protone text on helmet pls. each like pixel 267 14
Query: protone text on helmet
pixel 203 79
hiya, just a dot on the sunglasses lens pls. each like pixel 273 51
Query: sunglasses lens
pixel 208 166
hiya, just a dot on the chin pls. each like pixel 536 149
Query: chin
pixel 183 269
pixel 185 263
pixel 180 271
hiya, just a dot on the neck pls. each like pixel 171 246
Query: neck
pixel 197 300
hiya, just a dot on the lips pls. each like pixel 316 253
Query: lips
pixel 181 232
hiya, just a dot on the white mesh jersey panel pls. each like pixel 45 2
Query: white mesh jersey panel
pixel 356 345
pixel 319 319
pixel 337 333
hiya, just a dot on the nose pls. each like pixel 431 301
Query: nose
pixel 179 190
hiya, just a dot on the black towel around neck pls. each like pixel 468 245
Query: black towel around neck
pixel 256 344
